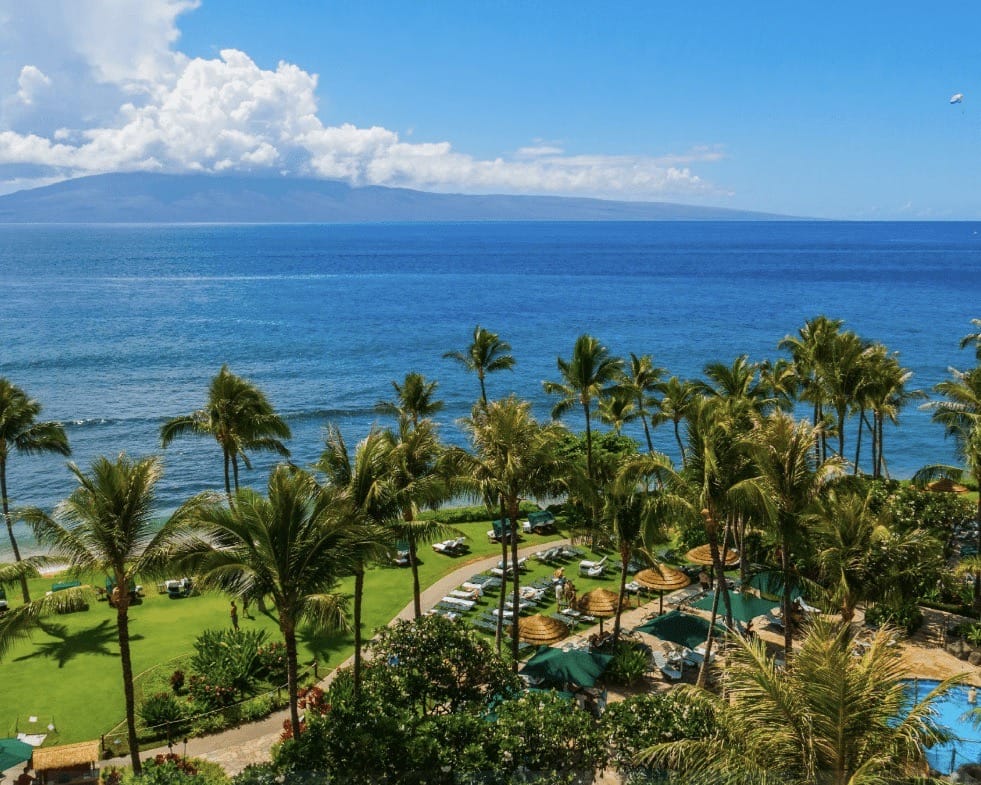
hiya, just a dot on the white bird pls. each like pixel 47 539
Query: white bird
pixel 956 98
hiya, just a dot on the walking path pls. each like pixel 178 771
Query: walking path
pixel 236 748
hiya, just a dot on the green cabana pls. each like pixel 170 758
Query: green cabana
pixel 744 606
pixel 557 668
pixel 681 628
pixel 14 752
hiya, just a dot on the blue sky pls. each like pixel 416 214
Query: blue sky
pixel 832 110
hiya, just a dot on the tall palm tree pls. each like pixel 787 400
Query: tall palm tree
pixel 640 382
pixel 827 718
pixel 486 354
pixel 418 479
pixel 974 338
pixel 885 394
pixel 364 501
pixel 589 374
pixel 515 457
pixel 239 417
pixel 288 545
pixel 108 525
pixel 960 414
pixel 844 375
pixel 617 409
pixel 413 399
pixel 674 405
pixel 738 383
pixel 787 481
pixel 20 432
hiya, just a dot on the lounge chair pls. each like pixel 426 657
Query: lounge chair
pixel 521 563
pixel 660 661
pixel 593 569
pixel 458 603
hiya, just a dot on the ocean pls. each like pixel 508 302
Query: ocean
pixel 116 328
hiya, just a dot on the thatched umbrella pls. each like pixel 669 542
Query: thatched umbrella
pixel 661 579
pixel 601 603
pixel 541 630
pixel 945 485
pixel 703 555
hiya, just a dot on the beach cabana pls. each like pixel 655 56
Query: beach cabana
pixel 745 607
pixel 945 485
pixel 684 629
pixel 68 764
pixel 540 630
pixel 703 555
pixel 601 603
pixel 661 578
pixel 556 668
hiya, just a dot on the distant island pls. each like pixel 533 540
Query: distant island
pixel 197 198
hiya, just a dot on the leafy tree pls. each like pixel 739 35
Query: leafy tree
pixel 675 405
pixel 640 382
pixel 287 545
pixel 590 374
pixel 365 501
pixel 828 718
pixel 21 432
pixel 487 353
pixel 417 478
pixel 239 417
pixel 413 399
pixel 108 526
pixel 514 457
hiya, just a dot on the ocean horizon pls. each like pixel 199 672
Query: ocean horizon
pixel 115 328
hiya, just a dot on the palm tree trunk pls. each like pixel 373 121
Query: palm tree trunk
pixel 977 575
pixel 589 442
pixel 703 670
pixel 647 433
pixel 10 528
pixel 289 638
pixel 677 438
pixel 858 440
pixel 483 390
pixel 414 565
pixel 499 632
pixel 228 479
pixel 122 631
pixel 235 470
pixel 516 595
pixel 358 597
pixel 788 632
pixel 624 563
pixel 841 431
pixel 879 433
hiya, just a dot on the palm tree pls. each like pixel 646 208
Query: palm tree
pixel 486 354
pixel 20 432
pixel 515 457
pixel 674 405
pixel 365 503
pixel 828 718
pixel 739 384
pixel 288 545
pixel 591 373
pixel 617 409
pixel 417 479
pixel 787 481
pixel 413 399
pixel 974 338
pixel 885 393
pixel 844 374
pixel 239 417
pixel 108 526
pixel 640 382
pixel 960 414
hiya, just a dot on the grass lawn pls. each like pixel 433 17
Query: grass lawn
pixel 68 673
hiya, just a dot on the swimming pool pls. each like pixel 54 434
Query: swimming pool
pixel 951 710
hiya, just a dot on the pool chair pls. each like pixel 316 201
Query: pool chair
pixel 592 569
pixel 660 662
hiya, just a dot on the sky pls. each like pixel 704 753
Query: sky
pixel 825 110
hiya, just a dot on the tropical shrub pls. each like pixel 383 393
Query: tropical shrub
pixel 174 770
pixel 907 617
pixel 629 663
pixel 271 662
pixel 257 774
pixel 910 507
pixel 162 713
pixel 225 664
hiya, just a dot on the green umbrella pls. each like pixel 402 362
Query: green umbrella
pixel 13 752
pixel 682 628
pixel 557 667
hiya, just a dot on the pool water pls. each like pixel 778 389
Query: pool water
pixel 952 712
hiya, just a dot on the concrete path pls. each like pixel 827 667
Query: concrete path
pixel 239 747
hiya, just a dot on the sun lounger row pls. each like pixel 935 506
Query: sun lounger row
pixel 451 547
pixel 559 553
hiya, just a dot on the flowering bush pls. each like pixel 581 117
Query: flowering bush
pixel 271 662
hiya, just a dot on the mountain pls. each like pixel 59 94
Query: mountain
pixel 163 198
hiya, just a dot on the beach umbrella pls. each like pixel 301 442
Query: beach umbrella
pixel 703 555
pixel 945 485
pixel 541 630
pixel 685 629
pixel 557 668
pixel 661 578
pixel 14 752
pixel 601 603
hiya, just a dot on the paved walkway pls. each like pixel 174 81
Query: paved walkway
pixel 239 747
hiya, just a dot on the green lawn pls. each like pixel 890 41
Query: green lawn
pixel 69 671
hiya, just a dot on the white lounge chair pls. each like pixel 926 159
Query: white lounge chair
pixel 660 661
pixel 592 569
pixel 459 603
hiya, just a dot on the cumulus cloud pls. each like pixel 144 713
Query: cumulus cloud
pixel 90 86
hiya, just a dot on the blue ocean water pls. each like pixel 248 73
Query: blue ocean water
pixel 116 328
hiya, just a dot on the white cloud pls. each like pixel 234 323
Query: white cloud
pixel 32 80
pixel 90 86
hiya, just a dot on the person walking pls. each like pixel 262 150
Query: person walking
pixel 233 612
